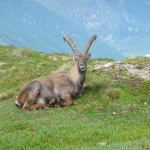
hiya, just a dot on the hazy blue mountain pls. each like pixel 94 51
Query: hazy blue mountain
pixel 40 25
pixel 28 24
pixel 122 24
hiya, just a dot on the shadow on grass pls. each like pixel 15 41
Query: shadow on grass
pixel 92 88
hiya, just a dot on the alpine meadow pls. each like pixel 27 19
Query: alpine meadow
pixel 112 114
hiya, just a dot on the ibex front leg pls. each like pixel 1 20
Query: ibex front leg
pixel 34 106
pixel 30 101
pixel 66 101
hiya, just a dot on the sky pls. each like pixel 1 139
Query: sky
pixel 122 24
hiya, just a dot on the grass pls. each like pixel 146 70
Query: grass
pixel 112 114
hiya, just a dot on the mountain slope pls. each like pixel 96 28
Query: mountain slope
pixel 30 24
pixel 112 113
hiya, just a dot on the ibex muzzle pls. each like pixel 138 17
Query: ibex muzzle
pixel 59 88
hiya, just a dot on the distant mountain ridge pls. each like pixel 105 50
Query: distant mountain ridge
pixel 28 23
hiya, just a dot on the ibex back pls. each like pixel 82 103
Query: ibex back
pixel 59 88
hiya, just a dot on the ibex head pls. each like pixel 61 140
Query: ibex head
pixel 80 58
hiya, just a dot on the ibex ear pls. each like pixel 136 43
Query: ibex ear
pixel 88 55
pixel 74 57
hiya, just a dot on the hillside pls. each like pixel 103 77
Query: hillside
pixel 112 114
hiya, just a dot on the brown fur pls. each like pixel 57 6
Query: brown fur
pixel 58 89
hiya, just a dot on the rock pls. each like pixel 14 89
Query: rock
pixel 114 113
pixel 128 66
pixel 55 58
pixel 140 70
pixel 42 54
pixel 108 65
pixel 142 73
pixel 71 112
pixel 18 54
pixel 65 58
pixel 102 143
pixel 2 63
pixel 97 67
pixel 102 65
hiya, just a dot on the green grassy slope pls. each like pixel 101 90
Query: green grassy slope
pixel 112 114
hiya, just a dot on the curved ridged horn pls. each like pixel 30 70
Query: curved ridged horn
pixel 89 43
pixel 70 42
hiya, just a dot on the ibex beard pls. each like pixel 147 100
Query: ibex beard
pixel 59 88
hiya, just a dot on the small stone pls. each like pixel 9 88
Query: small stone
pixel 97 67
pixel 55 58
pixel 102 143
pixel 114 113
pixel 72 112
pixel 46 108
pixel 108 65
pixel 42 54
pixel 2 63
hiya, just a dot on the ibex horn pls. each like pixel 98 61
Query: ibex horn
pixel 70 42
pixel 89 43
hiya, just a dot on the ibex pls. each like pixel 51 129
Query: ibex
pixel 59 88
